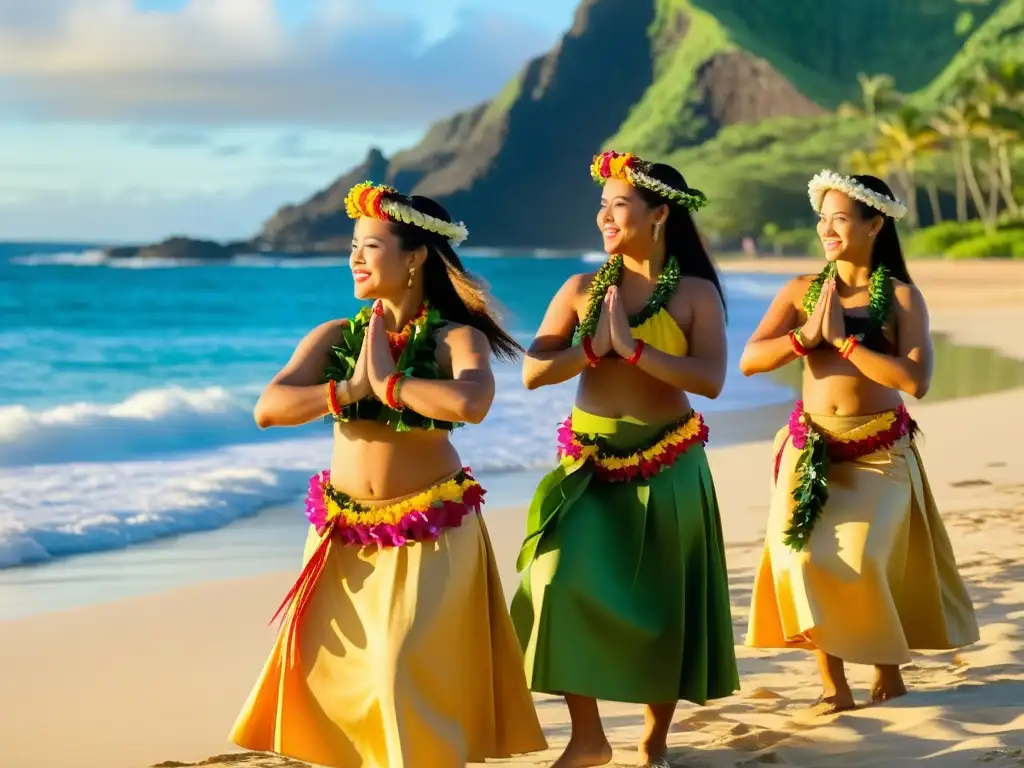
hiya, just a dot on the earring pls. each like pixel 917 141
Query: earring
pixel 412 272
pixel 657 230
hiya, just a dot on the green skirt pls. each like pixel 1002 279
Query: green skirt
pixel 624 594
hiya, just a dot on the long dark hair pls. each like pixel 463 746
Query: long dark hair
pixel 450 289
pixel 682 239
pixel 887 250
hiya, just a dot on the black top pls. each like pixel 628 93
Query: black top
pixel 871 337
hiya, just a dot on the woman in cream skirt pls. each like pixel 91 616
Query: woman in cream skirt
pixel 857 565
pixel 396 649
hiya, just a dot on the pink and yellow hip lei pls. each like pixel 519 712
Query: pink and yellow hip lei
pixel 418 518
pixel 616 465
pixel 818 449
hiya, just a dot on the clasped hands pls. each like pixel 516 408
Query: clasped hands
pixel 613 333
pixel 826 321
pixel 375 364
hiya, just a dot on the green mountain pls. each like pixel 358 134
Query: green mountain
pixel 739 94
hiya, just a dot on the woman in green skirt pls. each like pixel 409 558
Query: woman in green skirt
pixel 624 594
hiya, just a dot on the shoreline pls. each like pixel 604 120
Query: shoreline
pixel 262 543
pixel 76 680
pixel 201 647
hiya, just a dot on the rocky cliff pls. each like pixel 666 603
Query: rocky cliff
pixel 650 76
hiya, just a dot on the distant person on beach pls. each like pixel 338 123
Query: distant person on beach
pixel 624 594
pixel 396 647
pixel 857 565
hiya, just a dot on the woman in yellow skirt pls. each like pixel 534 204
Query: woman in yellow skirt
pixel 857 565
pixel 395 648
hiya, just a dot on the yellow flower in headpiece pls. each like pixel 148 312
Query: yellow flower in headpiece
pixel 632 169
pixel 618 165
pixel 379 201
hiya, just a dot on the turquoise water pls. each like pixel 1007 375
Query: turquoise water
pixel 127 389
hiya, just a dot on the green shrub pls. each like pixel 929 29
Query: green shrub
pixel 938 239
pixel 1003 243
pixel 803 241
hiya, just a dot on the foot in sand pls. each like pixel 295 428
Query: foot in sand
pixel 832 705
pixel 888 685
pixel 651 755
pixel 580 755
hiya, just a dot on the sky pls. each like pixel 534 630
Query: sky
pixel 134 120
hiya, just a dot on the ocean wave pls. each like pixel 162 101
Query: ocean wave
pixel 76 506
pixel 70 509
pixel 150 421
pixel 90 258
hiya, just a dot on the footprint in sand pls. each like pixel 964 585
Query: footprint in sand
pixel 240 759
pixel 970 483
pixel 764 693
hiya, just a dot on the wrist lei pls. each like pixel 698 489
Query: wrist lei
pixel 332 398
pixel 394 381
pixel 796 341
pixel 846 348
pixel 637 351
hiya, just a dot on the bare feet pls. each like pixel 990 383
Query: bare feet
pixel 832 705
pixel 888 684
pixel 655 762
pixel 653 755
pixel 579 755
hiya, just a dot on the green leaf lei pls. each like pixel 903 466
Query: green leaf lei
pixel 879 294
pixel 610 274
pixel 811 492
pixel 419 359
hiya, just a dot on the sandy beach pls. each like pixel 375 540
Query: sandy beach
pixel 158 680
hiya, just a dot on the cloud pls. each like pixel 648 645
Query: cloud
pixel 352 64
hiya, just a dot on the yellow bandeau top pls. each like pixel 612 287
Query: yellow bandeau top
pixel 662 332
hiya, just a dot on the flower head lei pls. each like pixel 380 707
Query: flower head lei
pixel 630 168
pixel 386 203
pixel 826 180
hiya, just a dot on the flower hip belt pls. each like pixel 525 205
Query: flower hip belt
pixel 818 449
pixel 421 517
pixel 618 465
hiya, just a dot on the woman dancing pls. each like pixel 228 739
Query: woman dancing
pixel 857 564
pixel 396 649
pixel 624 594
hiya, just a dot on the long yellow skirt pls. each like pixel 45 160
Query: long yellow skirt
pixel 406 658
pixel 878 577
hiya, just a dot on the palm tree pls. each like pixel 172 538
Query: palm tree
pixel 906 136
pixel 960 123
pixel 999 94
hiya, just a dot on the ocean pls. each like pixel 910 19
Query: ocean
pixel 127 389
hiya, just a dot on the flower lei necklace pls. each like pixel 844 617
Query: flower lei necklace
pixel 610 274
pixel 414 350
pixel 879 294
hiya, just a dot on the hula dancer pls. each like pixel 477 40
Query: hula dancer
pixel 857 565
pixel 624 594
pixel 395 647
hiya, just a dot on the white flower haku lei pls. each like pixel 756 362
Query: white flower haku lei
pixel 641 179
pixel 629 170
pixel 826 180
pixel 456 232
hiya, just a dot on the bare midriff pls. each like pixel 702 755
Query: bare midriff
pixel 834 387
pixel 615 389
pixel 371 461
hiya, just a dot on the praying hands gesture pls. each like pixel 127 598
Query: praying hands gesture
pixel 622 339
pixel 380 365
pixel 812 331
pixel 833 326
